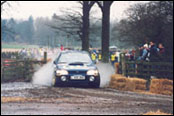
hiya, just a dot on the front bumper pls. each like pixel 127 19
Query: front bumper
pixel 77 83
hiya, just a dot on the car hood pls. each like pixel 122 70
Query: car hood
pixel 76 67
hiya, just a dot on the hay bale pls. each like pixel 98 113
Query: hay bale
pixel 127 84
pixel 155 82
pixel 121 80
pixel 120 85
pixel 140 87
pixel 166 92
pixel 167 87
pixel 113 78
pixel 156 113
pixel 161 86
pixel 138 80
pixel 12 99
pixel 118 78
pixel 116 85
pixel 154 89
pixel 130 85
pixel 139 84
pixel 166 82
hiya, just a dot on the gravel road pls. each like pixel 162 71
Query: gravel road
pixel 75 101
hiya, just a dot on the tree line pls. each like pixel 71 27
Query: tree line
pixel 145 22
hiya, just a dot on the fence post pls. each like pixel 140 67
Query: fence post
pixel 45 57
pixel 2 74
pixel 24 68
pixel 123 64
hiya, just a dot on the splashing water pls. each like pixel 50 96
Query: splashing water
pixel 45 74
pixel 105 70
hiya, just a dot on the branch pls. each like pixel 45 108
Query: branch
pixel 110 2
pixel 2 2
pixel 91 4
pixel 99 4
pixel 71 11
pixel 80 2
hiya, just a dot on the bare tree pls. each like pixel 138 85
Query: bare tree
pixel 105 8
pixel 4 28
pixel 70 23
pixel 2 3
pixel 76 23
pixel 85 30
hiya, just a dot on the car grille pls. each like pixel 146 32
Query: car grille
pixel 77 72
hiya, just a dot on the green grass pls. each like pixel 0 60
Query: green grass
pixel 17 46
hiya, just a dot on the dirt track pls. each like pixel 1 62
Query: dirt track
pixel 48 100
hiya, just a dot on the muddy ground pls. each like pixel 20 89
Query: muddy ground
pixel 77 101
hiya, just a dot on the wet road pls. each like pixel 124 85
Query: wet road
pixel 20 98
pixel 35 99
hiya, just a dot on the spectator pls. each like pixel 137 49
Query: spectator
pixel 161 52
pixel 141 50
pixel 93 56
pixel 113 58
pixel 99 55
pixel 118 56
pixel 154 57
pixel 61 48
pixel 132 55
pixel 23 53
pixel 145 52
pixel 161 48
pixel 127 55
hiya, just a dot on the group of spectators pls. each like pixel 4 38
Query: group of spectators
pixel 34 53
pixel 148 52
pixel 31 52
pixel 96 56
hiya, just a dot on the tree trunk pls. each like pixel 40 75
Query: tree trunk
pixel 105 32
pixel 85 39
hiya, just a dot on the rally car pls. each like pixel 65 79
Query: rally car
pixel 75 68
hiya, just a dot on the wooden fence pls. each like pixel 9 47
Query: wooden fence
pixel 144 69
pixel 13 69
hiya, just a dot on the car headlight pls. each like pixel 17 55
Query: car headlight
pixel 61 72
pixel 93 72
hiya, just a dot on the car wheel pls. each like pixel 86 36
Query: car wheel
pixel 97 83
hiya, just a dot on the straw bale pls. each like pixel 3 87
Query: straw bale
pixel 138 80
pixel 156 113
pixel 161 89
pixel 166 82
pixel 118 78
pixel 140 87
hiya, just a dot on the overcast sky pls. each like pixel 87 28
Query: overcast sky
pixel 23 9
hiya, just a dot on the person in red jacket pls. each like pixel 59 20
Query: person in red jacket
pixel 61 48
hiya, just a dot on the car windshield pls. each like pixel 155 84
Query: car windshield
pixel 75 57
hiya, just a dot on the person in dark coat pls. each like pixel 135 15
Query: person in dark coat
pixel 161 52
pixel 154 57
